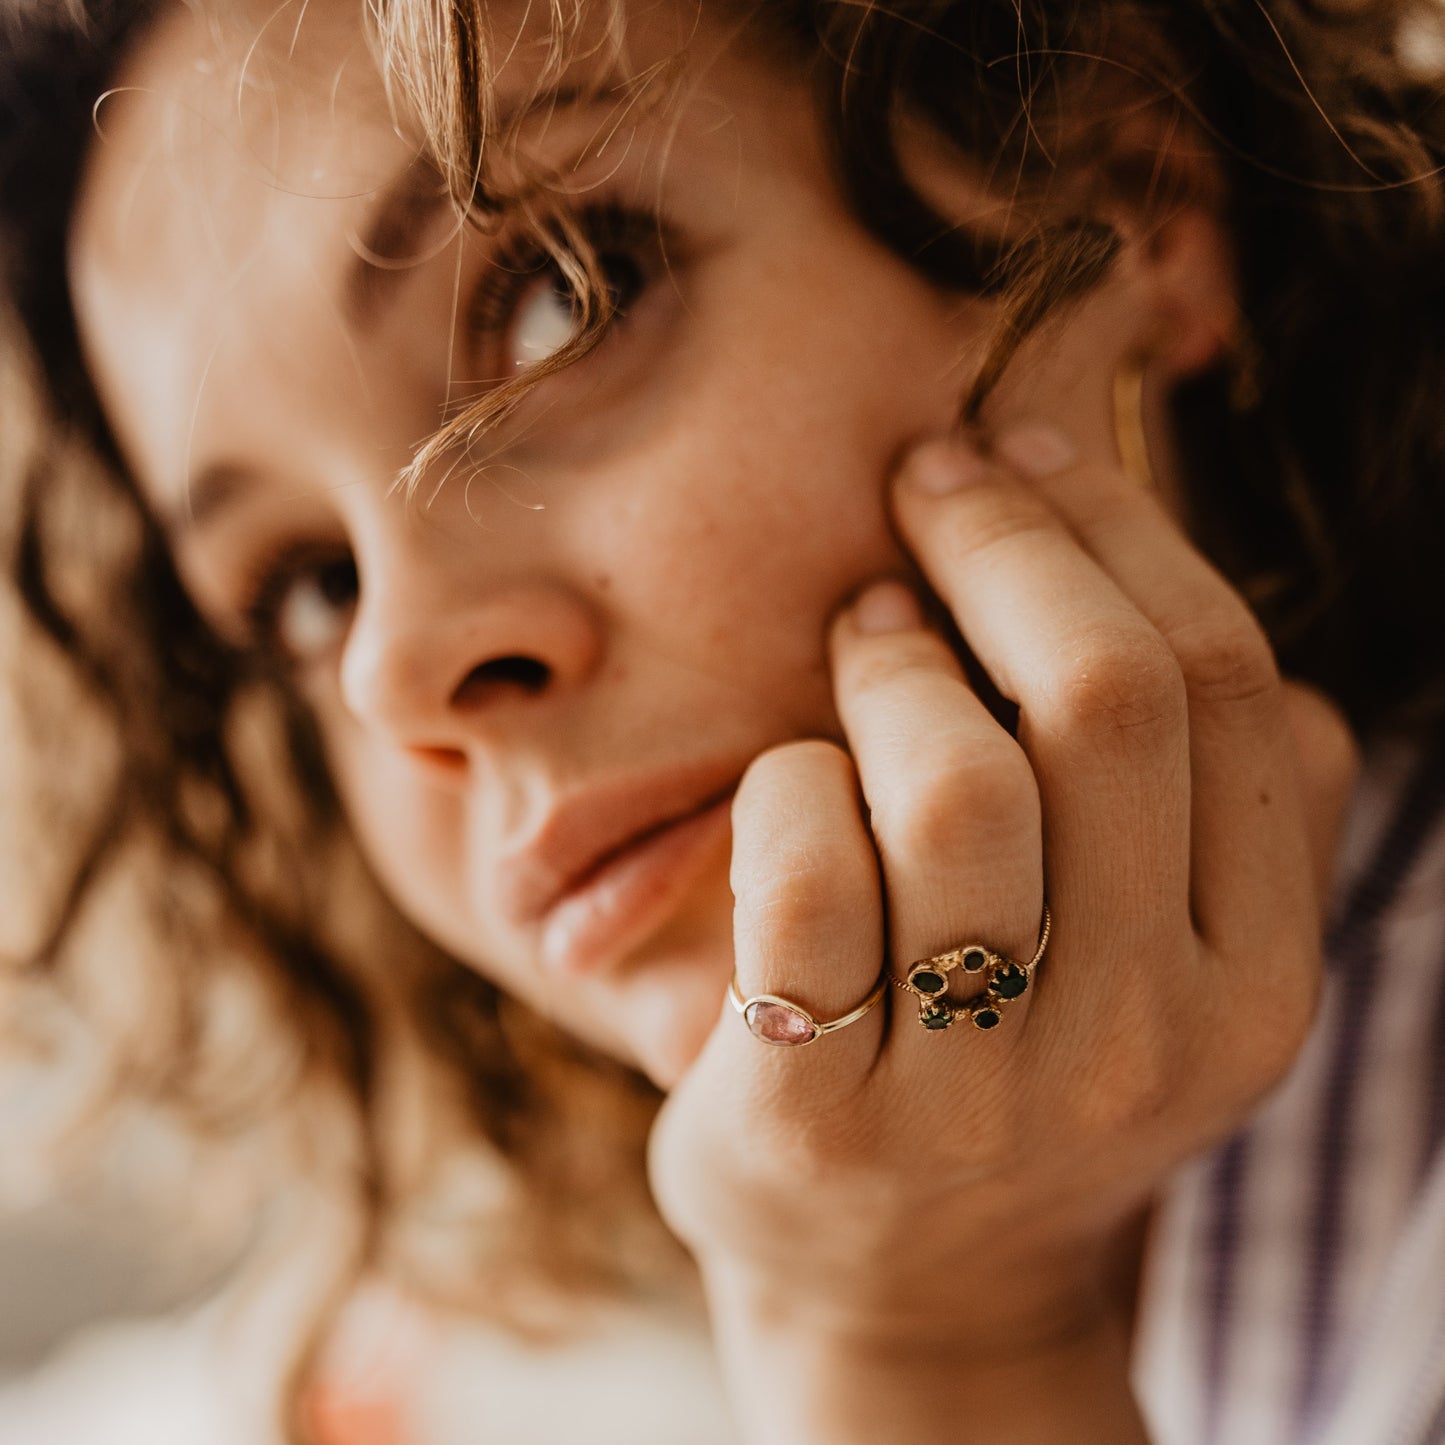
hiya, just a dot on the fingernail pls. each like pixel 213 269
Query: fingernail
pixel 1037 449
pixel 940 467
pixel 887 607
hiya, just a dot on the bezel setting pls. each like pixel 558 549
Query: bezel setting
pixel 1005 981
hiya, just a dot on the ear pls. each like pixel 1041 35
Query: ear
pixel 1188 271
pixel 1170 299
pixel 1166 192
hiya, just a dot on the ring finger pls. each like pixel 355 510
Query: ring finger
pixel 953 804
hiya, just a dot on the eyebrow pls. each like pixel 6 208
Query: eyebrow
pixel 210 491
pixel 392 240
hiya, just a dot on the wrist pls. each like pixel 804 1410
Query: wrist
pixel 1005 1306
pixel 798 1374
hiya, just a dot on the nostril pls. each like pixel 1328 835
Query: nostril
pixel 521 674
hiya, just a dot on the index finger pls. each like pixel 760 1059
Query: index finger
pixel 1101 703
pixel 1249 862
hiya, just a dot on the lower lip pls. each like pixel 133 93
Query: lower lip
pixel 593 927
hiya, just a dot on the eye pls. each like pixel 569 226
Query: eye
pixel 303 606
pixel 546 320
pixel 530 301
pixel 548 313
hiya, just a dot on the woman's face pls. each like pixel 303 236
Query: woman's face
pixel 541 676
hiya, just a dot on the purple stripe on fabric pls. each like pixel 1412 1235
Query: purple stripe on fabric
pixel 1355 986
pixel 1434 1138
pixel 1354 950
pixel 1421 804
pixel 1221 1259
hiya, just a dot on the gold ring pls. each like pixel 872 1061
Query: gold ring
pixel 1004 980
pixel 780 1021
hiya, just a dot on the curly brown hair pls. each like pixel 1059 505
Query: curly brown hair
pixel 1317 492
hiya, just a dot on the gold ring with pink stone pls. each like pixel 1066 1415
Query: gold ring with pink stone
pixel 781 1022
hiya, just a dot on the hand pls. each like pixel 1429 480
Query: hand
pixel 1174 798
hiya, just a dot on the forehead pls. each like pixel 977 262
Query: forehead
pixel 214 122
pixel 229 154
pixel 295 92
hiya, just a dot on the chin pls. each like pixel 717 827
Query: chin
pixel 666 1067
pixel 669 1019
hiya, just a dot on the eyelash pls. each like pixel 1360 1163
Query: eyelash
pixel 609 229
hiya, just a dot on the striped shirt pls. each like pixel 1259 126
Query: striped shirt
pixel 1295 1291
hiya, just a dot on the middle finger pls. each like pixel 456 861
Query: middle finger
pixel 1103 713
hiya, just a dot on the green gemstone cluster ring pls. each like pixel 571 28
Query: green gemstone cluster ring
pixel 1004 980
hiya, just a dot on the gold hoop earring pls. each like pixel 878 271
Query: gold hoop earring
pixel 1129 434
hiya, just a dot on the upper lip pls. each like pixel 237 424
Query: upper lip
pixel 584 829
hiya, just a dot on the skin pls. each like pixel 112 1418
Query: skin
pixel 742 494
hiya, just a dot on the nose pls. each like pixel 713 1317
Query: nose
pixel 445 664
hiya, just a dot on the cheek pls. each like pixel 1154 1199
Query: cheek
pixel 793 448
pixel 728 602
pixel 765 526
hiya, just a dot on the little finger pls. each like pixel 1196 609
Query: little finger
pixel 808 920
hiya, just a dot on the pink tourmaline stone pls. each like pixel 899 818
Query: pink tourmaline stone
pixel 775 1023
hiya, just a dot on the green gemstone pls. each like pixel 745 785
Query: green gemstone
pixel 936 1018
pixel 1008 982
pixel 925 980
pixel 986 1018
pixel 974 959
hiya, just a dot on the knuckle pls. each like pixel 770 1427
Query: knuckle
pixel 936 807
pixel 1280 1017
pixel 1133 1081
pixel 791 870
pixel 1120 682
pixel 799 902
pixel 1328 750
pixel 794 764
pixel 988 516
pixel 1283 1040
pixel 996 1145
pixel 799 1141
pixel 797 890
pixel 1235 1044
pixel 1226 658
pixel 876 669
